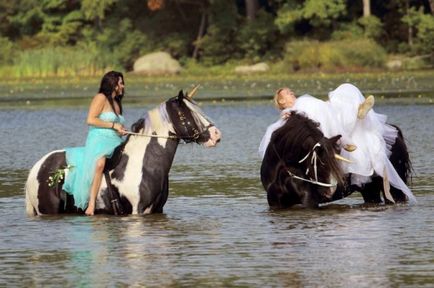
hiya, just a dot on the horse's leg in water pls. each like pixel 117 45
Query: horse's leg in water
pixel 280 193
pixel 371 191
pixel 96 184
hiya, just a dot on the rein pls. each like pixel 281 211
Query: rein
pixel 313 161
pixel 152 135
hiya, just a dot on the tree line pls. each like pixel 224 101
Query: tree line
pixel 214 32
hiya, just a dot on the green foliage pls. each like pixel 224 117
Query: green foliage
pixel 96 9
pixel 369 27
pixel 102 33
pixel 60 61
pixel 176 44
pixel 348 31
pixel 218 45
pixel 57 176
pixel 318 13
pixel 63 30
pixel 425 35
pixel 287 16
pixel 257 37
pixel 323 12
pixel 332 55
pixel 423 25
pixel 7 51
pixel 133 46
pixel 372 26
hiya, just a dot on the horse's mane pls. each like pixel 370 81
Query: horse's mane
pixel 298 136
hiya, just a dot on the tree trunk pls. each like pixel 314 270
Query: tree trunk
pixel 366 8
pixel 200 33
pixel 251 7
pixel 431 5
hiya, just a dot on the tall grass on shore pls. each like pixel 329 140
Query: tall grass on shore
pixel 60 61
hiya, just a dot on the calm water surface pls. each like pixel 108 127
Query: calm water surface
pixel 216 230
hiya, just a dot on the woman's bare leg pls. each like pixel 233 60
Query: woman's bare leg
pixel 96 183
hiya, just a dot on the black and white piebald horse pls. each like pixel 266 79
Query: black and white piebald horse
pixel 143 161
pixel 300 167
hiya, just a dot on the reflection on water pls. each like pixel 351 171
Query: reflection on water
pixel 216 229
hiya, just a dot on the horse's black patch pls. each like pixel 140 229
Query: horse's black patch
pixel 49 198
pixel 105 195
pixel 154 188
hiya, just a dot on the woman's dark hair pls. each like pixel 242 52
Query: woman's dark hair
pixel 108 84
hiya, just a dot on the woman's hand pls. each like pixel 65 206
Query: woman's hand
pixel 119 128
pixel 285 115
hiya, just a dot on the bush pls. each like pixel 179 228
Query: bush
pixel 372 27
pixel 61 61
pixel 7 51
pixel 425 35
pixel 256 38
pixel 218 45
pixel 334 54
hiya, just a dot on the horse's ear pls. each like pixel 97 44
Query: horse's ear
pixel 335 139
pixel 180 95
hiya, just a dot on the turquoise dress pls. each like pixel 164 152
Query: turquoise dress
pixel 100 142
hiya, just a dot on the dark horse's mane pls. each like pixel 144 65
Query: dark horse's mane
pixel 295 139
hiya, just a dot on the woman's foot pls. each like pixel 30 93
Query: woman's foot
pixel 90 211
pixel 366 106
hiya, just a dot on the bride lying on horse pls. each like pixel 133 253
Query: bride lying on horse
pixel 367 142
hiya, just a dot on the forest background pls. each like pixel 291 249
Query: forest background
pixel 44 38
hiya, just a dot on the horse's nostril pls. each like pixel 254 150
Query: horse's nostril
pixel 218 141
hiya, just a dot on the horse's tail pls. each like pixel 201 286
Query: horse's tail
pixel 400 157
pixel 29 189
pixel 400 160
pixel 30 211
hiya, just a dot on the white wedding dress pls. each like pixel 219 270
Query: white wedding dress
pixel 338 116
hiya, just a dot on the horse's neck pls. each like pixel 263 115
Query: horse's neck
pixel 157 126
pixel 157 122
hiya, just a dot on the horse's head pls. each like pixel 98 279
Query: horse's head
pixel 190 123
pixel 299 165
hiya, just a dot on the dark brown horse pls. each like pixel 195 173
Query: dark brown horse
pixel 299 167
pixel 140 174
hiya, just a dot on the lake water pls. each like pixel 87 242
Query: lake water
pixel 216 229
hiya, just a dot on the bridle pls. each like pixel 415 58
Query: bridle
pixel 313 161
pixel 186 127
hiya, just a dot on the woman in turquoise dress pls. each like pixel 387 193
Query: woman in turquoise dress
pixel 106 129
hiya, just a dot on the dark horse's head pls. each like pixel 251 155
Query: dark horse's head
pixel 190 123
pixel 299 166
pixel 181 118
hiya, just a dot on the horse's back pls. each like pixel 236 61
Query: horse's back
pixel 39 199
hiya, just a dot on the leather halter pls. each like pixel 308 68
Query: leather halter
pixel 313 159
pixel 188 129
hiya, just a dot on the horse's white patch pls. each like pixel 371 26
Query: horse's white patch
pixel 157 125
pixel 148 210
